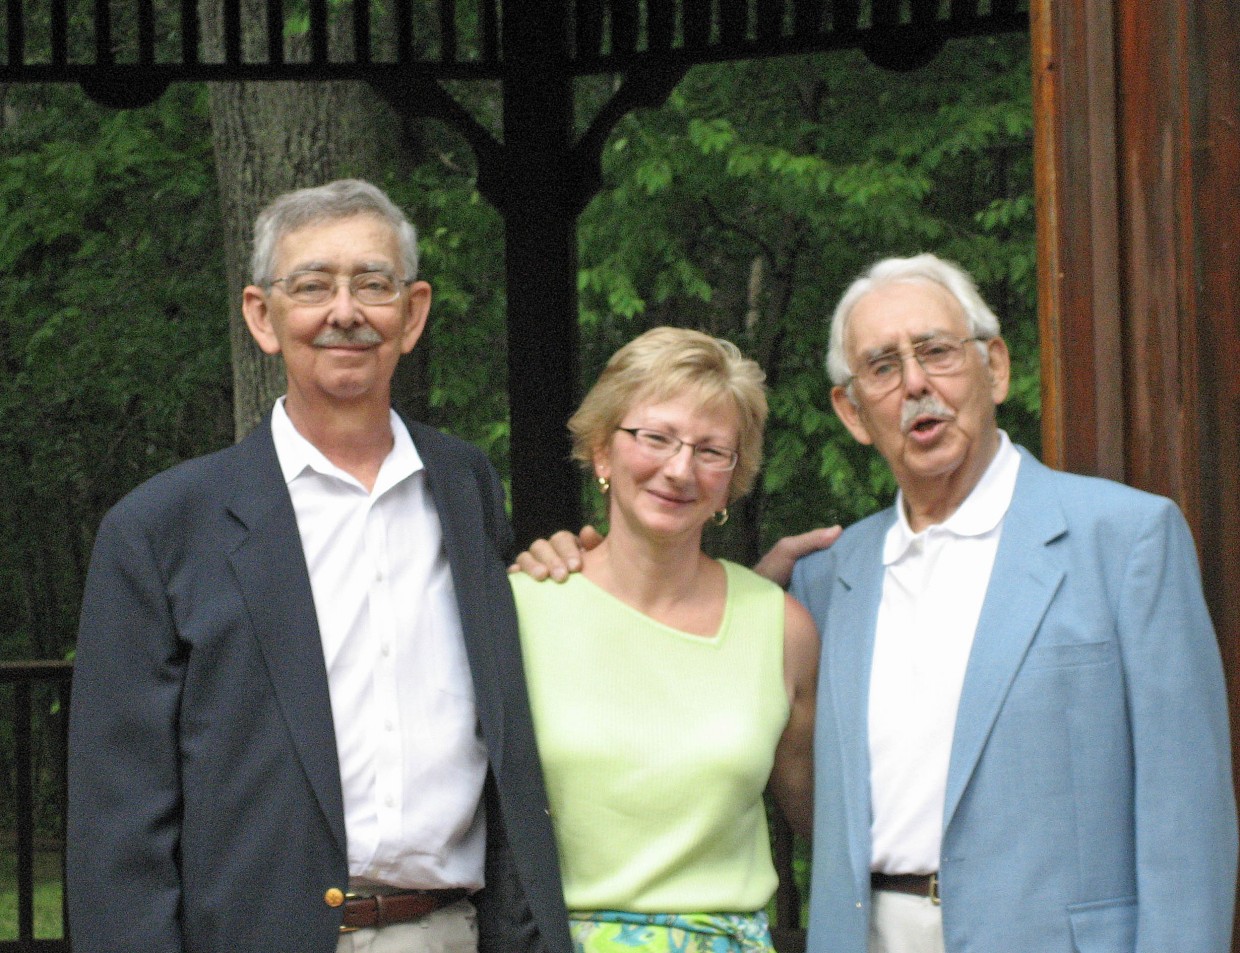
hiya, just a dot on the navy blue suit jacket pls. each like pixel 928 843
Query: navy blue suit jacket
pixel 205 807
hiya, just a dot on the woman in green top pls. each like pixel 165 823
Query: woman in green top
pixel 668 688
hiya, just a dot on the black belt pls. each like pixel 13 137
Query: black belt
pixel 919 885
pixel 399 907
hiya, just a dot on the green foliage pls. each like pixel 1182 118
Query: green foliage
pixel 746 204
pixel 461 255
pixel 113 331
pixel 742 207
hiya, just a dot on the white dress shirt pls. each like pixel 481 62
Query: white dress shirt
pixel 411 763
pixel 933 588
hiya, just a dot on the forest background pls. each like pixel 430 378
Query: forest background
pixel 742 207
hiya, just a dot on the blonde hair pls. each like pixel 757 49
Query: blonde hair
pixel 667 362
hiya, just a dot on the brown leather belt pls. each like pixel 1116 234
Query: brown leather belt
pixel 400 907
pixel 919 885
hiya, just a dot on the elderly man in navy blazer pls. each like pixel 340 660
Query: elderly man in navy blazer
pixel 1022 735
pixel 299 718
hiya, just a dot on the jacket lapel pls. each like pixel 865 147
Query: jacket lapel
pixel 1023 581
pixel 473 562
pixel 849 639
pixel 270 569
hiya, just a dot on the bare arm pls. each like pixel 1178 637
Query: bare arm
pixel 792 777
pixel 777 564
pixel 558 556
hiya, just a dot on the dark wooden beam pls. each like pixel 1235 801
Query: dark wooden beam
pixel 1179 173
pixel 1212 87
pixel 1138 179
pixel 1078 236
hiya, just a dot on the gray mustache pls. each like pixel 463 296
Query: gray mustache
pixel 344 337
pixel 926 404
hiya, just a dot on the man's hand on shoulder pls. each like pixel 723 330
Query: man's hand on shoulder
pixel 777 564
pixel 558 556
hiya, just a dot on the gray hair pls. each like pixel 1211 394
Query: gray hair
pixel 343 198
pixel 924 268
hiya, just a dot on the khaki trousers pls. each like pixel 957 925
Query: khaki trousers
pixel 451 929
pixel 902 923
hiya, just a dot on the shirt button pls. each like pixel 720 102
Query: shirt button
pixel 390 801
pixel 386 649
pixel 388 725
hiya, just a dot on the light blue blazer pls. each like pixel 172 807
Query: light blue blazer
pixel 1089 796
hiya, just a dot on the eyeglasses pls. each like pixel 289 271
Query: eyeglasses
pixel 663 446
pixel 938 356
pixel 319 287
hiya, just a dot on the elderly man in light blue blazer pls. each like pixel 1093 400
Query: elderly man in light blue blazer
pixel 1022 738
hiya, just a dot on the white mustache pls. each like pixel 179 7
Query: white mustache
pixel 338 337
pixel 928 405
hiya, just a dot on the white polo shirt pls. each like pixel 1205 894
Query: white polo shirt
pixel 933 588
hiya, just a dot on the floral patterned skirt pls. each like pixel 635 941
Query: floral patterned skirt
pixel 618 931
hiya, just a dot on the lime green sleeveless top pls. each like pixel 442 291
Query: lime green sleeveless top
pixel 656 744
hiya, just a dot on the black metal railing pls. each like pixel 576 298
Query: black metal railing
pixel 272 39
pixel 34 784
pixel 787 928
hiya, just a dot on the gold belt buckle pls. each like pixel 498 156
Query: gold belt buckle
pixel 343 928
pixel 934 889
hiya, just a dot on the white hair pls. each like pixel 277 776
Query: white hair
pixel 920 268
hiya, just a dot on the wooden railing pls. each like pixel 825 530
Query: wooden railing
pixel 40 707
pixel 39 695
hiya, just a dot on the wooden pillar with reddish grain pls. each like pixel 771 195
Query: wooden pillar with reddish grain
pixel 1137 141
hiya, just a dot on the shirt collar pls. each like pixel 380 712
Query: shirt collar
pixel 297 455
pixel 980 513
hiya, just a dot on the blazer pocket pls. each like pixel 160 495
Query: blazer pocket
pixel 1069 654
pixel 1104 926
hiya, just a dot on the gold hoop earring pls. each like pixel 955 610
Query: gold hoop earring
pixel 721 517
pixel 604 485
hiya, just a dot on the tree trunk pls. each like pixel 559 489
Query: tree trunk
pixel 269 138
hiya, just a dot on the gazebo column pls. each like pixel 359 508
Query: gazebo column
pixel 539 202
pixel 539 178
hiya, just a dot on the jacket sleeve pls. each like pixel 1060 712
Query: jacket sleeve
pixel 124 885
pixel 521 909
pixel 1185 813
pixel 506 921
pixel 495 514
